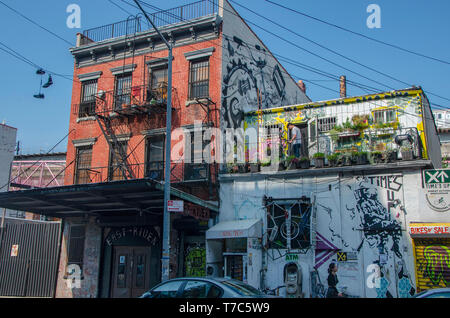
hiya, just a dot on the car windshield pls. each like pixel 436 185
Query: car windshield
pixel 241 288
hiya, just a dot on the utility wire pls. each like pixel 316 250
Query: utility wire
pixel 330 50
pixel 118 6
pixel 359 34
pixel 39 160
pixel 35 23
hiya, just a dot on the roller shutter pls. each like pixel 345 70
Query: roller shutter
pixel 432 256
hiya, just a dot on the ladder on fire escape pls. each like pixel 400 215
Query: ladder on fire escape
pixel 105 125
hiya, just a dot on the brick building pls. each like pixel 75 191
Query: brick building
pixel 112 200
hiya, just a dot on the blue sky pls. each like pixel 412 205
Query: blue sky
pixel 418 25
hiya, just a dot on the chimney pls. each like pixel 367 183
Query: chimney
pixel 302 86
pixel 343 86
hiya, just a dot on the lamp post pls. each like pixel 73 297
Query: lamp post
pixel 166 216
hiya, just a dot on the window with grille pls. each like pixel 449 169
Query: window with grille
pixel 289 225
pixel 199 79
pixel 76 245
pixel 122 95
pixel 155 157
pixel 384 116
pixel 83 171
pixel 117 166
pixel 326 124
pixel 87 103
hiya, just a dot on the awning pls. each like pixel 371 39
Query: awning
pixel 108 198
pixel 235 229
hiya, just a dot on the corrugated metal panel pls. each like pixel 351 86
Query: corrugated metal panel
pixel 432 263
pixel 33 272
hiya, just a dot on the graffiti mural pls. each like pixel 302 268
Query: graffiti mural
pixel 380 229
pixel 437 264
pixel 251 78
pixel 195 261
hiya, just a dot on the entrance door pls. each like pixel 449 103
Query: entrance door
pixel 130 271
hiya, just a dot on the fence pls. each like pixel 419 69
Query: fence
pixel 166 17
pixel 29 258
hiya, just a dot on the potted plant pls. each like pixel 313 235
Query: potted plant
pixel 347 159
pixel 361 158
pixel 333 159
pixel 360 122
pixel 407 153
pixel 390 155
pixel 377 156
pixel 319 159
pixel 304 163
pixel 292 162
pixel 253 167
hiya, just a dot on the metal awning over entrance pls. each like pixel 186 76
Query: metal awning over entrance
pixel 109 198
pixel 235 229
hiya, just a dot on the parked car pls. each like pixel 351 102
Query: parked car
pixel 434 293
pixel 198 287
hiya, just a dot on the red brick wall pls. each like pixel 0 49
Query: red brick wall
pixel 181 116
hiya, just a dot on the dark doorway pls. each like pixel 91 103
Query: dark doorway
pixel 305 137
pixel 131 271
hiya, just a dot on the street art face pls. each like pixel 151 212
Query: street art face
pixel 437 266
pixel 249 81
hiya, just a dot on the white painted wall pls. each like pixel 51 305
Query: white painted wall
pixel 342 212
pixel 7 148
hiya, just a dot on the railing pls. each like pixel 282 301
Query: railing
pixel 137 99
pixel 153 170
pixel 166 17
pixel 344 148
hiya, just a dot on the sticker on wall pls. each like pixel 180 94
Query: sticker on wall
pixel 437 189
pixel 14 250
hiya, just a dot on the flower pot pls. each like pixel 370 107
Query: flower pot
pixel 332 163
pixel 407 155
pixel 391 156
pixel 319 162
pixel 254 167
pixel 305 164
pixel 361 160
pixel 347 161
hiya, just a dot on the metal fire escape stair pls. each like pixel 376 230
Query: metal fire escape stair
pixel 105 125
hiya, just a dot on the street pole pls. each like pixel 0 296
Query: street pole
pixel 166 222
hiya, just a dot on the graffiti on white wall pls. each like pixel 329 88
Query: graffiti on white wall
pixel 251 78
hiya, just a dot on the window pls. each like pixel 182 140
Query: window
pixel 158 84
pixel 326 124
pixel 83 165
pixel 193 170
pixel 200 289
pixel 87 103
pixel 76 245
pixel 289 225
pixel 116 164
pixel 199 79
pixel 155 157
pixel 122 94
pixel 168 290
pixel 384 116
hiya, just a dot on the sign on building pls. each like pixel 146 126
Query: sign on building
pixel 437 189
pixel 175 206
